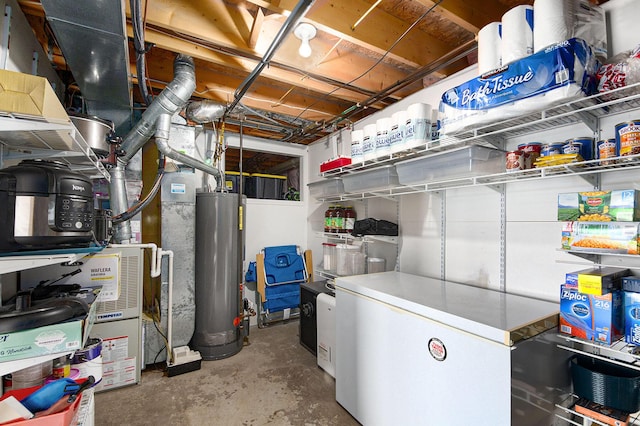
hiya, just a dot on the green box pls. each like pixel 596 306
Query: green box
pixel 600 206
pixel 50 339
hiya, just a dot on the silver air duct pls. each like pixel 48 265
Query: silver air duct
pixel 162 142
pixel 171 100
pixel 204 111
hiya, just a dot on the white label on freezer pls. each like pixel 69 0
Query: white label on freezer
pixel 437 349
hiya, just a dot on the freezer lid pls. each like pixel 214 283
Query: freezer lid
pixel 502 317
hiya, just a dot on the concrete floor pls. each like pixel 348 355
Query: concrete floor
pixel 272 381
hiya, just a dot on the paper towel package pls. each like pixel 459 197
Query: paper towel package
pixel 558 74
pixel 489 47
pixel 558 20
pixel 517 34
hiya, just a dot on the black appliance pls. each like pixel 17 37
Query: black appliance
pixel 45 206
pixel 308 322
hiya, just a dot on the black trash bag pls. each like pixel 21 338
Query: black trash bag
pixel 372 226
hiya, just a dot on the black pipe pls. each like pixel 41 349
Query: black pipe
pixel 296 14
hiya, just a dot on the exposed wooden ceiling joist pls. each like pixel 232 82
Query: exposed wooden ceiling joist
pixel 348 67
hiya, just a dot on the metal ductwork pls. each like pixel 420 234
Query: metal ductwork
pixel 205 111
pixel 93 38
pixel 171 100
pixel 162 142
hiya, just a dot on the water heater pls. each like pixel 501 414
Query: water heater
pixel 218 276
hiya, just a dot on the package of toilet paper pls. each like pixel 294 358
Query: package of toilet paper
pixel 558 74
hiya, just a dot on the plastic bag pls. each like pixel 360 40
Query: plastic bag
pixel 372 226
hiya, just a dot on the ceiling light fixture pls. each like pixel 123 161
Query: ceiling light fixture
pixel 305 32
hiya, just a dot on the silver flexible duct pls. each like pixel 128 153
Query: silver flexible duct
pixel 171 100
pixel 205 111
pixel 119 203
pixel 162 142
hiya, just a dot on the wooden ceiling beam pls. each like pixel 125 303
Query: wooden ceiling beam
pixel 377 32
pixel 255 29
pixel 220 87
pixel 471 15
pixel 166 42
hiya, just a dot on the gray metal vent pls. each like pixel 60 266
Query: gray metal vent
pixel 92 36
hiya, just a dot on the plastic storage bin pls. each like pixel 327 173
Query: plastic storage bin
pixel 329 257
pixel 326 188
pixel 232 181
pixel 473 160
pixel 376 264
pixel 371 180
pixel 343 265
pixel 272 187
pixel 605 383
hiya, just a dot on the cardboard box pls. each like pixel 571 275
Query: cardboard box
pixel 591 317
pixel 51 339
pixel 30 95
pixel 601 237
pixel 617 206
pixel 631 283
pixel 632 317
pixel 600 281
pixel 606 415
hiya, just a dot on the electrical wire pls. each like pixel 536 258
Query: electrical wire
pixel 134 210
pixel 403 35
pixel 141 50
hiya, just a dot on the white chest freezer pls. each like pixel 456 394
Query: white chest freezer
pixel 416 350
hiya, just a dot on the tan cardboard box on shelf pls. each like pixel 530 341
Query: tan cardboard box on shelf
pixel 30 95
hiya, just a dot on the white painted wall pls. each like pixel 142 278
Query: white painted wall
pixel 272 222
pixel 24 53
pixel 534 264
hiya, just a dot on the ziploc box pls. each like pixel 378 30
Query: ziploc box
pixel 614 205
pixel 591 317
pixel 556 74
pixel 632 317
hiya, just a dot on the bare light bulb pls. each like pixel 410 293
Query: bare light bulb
pixel 305 32
pixel 305 48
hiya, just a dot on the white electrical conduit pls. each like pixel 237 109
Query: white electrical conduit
pixel 155 270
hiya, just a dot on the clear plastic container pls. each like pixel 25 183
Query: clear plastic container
pixel 342 259
pixel 377 179
pixel 329 187
pixel 356 262
pixel 473 160
pixel 376 264
pixel 329 259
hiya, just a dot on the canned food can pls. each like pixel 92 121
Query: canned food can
pixel 515 161
pixel 582 146
pixel 606 151
pixel 628 138
pixel 532 152
pixel 552 149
